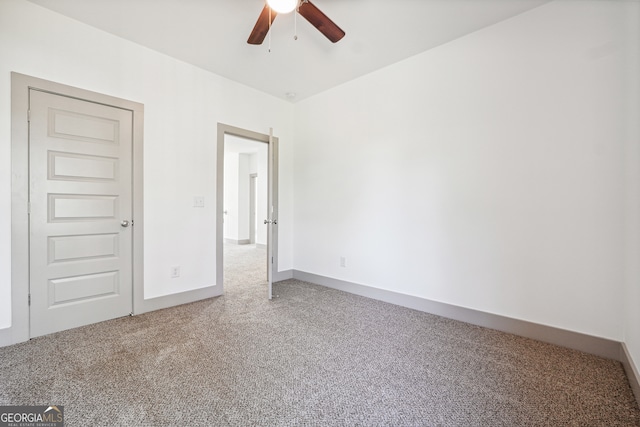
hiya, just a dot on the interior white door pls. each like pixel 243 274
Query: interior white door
pixel 271 221
pixel 80 173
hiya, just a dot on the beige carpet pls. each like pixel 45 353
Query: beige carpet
pixel 313 356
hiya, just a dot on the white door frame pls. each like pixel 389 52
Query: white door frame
pixel 223 130
pixel 20 86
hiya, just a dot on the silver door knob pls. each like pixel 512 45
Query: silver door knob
pixel 266 221
pixel 124 223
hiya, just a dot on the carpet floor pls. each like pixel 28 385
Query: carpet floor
pixel 312 356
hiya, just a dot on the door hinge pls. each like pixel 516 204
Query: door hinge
pixel 28 208
pixel 28 115
pixel 29 299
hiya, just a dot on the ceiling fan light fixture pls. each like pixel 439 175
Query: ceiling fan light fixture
pixel 282 6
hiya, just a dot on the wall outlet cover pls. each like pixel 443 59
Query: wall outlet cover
pixel 175 271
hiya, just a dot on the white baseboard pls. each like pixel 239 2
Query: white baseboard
pixel 279 276
pixel 6 337
pixel 238 242
pixel 180 298
pixel 589 344
pixel 631 370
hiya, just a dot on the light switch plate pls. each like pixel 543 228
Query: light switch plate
pixel 198 201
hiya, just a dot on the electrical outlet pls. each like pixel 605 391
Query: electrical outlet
pixel 175 271
pixel 343 261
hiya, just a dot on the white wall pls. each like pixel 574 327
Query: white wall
pixel 632 185
pixel 486 173
pixel 183 105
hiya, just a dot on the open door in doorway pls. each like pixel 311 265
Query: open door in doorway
pixel 272 220
pixel 246 161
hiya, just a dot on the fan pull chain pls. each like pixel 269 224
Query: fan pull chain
pixel 269 30
pixel 295 24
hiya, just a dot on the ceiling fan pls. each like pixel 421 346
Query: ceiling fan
pixel 305 8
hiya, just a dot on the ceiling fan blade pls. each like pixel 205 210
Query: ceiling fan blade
pixel 261 28
pixel 321 21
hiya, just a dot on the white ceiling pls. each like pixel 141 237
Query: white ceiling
pixel 212 34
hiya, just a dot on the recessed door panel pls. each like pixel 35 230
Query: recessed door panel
pixel 83 127
pixel 82 288
pixel 82 247
pixel 79 167
pixel 77 207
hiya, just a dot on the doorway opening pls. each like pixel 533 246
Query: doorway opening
pixel 247 209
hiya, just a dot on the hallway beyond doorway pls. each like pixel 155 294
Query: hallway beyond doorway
pixel 244 265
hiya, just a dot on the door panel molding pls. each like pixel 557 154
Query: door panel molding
pixel 99 132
